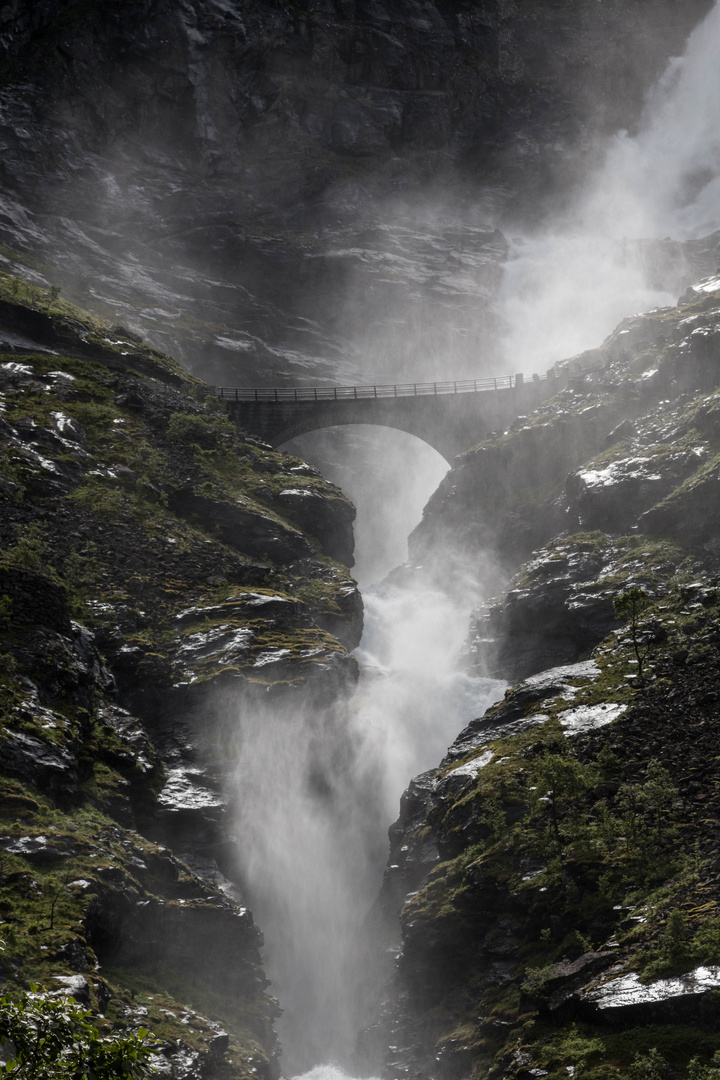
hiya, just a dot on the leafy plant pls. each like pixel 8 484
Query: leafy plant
pixel 673 953
pixel 537 980
pixel 6 605
pixel 49 1038
pixel 650 1066
pixel 81 572
pixel 697 1071
pixel 29 550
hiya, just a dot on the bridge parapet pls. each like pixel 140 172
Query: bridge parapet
pixel 448 415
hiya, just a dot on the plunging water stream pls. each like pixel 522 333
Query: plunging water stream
pixel 318 789
pixel 319 786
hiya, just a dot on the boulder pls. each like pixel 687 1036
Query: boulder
pixel 623 1000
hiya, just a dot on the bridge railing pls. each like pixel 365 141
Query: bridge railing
pixel 389 390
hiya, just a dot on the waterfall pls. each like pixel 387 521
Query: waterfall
pixel 569 283
pixel 317 788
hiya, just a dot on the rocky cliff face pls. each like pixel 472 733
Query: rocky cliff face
pixel 556 876
pixel 253 188
pixel 250 186
pixel 159 573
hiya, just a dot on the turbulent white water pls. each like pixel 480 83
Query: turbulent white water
pixel 318 787
pixel 328 1072
pixel 317 791
pixel 567 286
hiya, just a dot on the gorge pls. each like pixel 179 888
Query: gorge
pixel 201 746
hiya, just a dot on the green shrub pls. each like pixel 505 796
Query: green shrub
pixel 29 550
pixel 49 1038
pixel 650 1066
pixel 205 432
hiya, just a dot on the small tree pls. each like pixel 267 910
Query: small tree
pixel 561 784
pixel 51 1038
pixel 630 605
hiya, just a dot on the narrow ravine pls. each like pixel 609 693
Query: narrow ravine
pixel 318 790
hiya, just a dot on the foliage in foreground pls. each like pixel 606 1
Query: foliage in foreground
pixel 51 1038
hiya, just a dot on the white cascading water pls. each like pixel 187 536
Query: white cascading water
pixel 568 286
pixel 318 788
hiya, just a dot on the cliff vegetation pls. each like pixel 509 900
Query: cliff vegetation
pixel 562 863
pixel 154 564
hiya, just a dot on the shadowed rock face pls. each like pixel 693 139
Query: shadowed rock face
pixel 128 503
pixel 218 173
pixel 532 902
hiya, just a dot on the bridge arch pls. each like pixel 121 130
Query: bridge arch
pixel 387 474
pixel 321 421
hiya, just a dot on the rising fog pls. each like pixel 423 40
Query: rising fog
pixel 564 287
pixel 185 241
pixel 617 250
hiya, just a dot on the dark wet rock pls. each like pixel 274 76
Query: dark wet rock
pixel 68 428
pixel 706 287
pixel 560 981
pixel 522 707
pixel 37 849
pixel 224 645
pixel 75 954
pixel 245 605
pixel 475 507
pixel 411 858
pixel 415 849
pixel 613 497
pixel 332 111
pixel 690 514
pixel 36 599
pixel 188 811
pixel 74 986
pixel 328 519
pixel 194 936
pixel 561 616
pixel 243 527
pixel 42 764
pixel 71 338
pixel 561 605
pixel 137 747
pixel 344 620
pixel 15 375
pixel 207 869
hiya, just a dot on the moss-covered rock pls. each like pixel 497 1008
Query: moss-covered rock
pixel 556 876
pixel 150 567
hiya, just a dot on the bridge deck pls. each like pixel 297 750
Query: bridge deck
pixel 389 390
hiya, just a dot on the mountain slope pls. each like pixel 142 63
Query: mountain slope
pixel 562 861
pixel 158 575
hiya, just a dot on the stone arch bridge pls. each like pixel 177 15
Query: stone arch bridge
pixel 449 416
